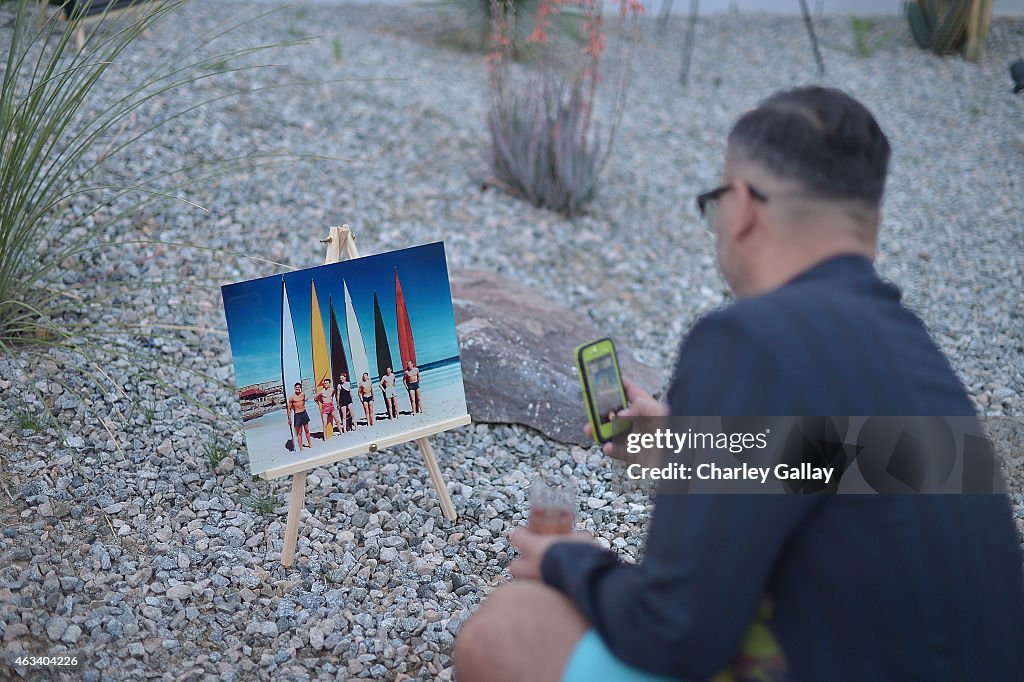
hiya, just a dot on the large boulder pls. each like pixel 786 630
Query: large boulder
pixel 517 356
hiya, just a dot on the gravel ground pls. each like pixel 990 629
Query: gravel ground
pixel 178 576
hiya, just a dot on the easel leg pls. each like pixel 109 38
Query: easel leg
pixel 447 508
pixel 291 530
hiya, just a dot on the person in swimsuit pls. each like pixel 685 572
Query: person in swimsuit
pixel 384 392
pixel 366 397
pixel 412 384
pixel 390 395
pixel 325 399
pixel 296 411
pixel 343 393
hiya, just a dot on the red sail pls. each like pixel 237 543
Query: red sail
pixel 405 344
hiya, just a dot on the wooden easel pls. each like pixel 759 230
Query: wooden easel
pixel 342 245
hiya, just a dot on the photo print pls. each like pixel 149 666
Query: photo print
pixel 334 359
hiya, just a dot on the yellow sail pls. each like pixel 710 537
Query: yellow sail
pixel 321 355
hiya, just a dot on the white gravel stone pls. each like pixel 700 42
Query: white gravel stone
pixel 179 592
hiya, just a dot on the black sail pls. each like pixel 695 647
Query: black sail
pixel 338 362
pixel 381 340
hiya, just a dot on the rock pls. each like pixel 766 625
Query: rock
pixel 179 592
pixel 517 355
pixel 165 448
pixel 72 634
pixel 55 628
pixel 17 630
pixel 424 566
pixel 234 536
pixel 267 628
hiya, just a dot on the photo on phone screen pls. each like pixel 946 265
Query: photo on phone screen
pixel 604 386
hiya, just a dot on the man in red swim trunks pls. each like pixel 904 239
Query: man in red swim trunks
pixel 325 399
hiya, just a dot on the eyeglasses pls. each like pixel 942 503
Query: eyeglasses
pixel 707 203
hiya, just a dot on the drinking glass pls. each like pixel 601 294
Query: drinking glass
pixel 552 508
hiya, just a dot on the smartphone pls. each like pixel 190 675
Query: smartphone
pixel 602 388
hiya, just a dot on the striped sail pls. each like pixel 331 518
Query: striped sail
pixel 360 363
pixel 291 371
pixel 406 346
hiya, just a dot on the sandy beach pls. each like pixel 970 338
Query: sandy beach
pixel 443 398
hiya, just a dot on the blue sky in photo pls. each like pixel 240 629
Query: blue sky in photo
pixel 253 310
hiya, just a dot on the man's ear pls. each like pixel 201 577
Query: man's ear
pixel 745 216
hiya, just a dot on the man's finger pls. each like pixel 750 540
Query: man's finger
pixel 524 570
pixel 522 539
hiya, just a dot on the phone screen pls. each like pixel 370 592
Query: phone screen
pixel 604 386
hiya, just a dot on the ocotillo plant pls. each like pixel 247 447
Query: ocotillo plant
pixel 546 145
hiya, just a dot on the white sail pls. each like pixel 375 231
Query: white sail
pixel 360 363
pixel 291 371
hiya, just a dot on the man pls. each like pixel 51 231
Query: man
pixel 297 414
pixel 890 587
pixel 325 399
pixel 387 387
pixel 412 385
pixel 365 392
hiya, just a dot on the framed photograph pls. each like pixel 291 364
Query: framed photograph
pixel 347 358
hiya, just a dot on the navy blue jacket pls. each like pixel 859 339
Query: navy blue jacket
pixel 884 587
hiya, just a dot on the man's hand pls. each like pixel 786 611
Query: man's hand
pixel 531 548
pixel 641 404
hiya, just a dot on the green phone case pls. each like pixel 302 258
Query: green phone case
pixel 606 432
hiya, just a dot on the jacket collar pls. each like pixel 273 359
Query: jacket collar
pixel 846 267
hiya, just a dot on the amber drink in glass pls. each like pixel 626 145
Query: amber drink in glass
pixel 552 509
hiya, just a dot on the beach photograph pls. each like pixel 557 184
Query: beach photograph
pixel 331 359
